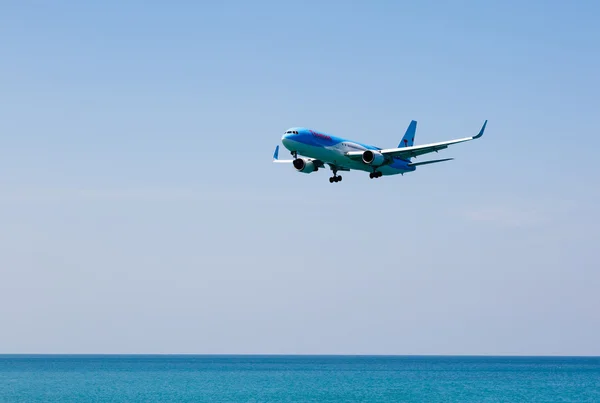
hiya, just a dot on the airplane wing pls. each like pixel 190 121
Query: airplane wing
pixel 408 152
pixel 276 157
pixel 318 163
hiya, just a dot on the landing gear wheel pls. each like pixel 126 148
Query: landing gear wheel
pixel 339 178
pixel 335 177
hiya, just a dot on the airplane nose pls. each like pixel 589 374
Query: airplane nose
pixel 286 139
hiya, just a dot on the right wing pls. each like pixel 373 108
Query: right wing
pixel 408 152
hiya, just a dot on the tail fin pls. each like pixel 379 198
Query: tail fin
pixel 409 137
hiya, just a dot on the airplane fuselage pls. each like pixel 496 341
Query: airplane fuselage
pixel 331 149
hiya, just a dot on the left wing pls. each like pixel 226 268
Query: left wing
pixel 318 163
pixel 276 157
pixel 408 152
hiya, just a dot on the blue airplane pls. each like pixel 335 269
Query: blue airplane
pixel 318 149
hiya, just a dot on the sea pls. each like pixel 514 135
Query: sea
pixel 189 378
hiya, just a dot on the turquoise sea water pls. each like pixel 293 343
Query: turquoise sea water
pixel 297 379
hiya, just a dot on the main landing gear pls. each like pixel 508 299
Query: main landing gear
pixel 335 177
pixel 375 175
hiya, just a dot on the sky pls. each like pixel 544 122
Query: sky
pixel 140 211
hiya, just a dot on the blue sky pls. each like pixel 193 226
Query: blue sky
pixel 141 212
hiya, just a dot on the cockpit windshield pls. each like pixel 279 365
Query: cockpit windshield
pixel 291 132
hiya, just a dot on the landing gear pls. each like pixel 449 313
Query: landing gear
pixel 335 177
pixel 375 174
pixel 294 154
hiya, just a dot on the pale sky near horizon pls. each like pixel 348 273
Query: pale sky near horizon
pixel 140 211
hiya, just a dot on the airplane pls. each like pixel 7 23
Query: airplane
pixel 313 150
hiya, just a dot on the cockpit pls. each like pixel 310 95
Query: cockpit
pixel 291 132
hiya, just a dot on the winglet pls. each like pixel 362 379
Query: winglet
pixel 481 131
pixel 276 154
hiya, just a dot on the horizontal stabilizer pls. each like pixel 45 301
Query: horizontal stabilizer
pixel 414 164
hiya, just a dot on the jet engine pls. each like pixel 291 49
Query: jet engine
pixel 305 166
pixel 373 158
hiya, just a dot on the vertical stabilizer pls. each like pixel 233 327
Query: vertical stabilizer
pixel 409 137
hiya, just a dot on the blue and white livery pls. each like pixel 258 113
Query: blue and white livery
pixel 313 150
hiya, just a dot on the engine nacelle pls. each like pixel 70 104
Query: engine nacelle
pixel 305 166
pixel 373 158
